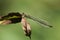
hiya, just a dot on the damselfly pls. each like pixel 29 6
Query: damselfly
pixel 16 17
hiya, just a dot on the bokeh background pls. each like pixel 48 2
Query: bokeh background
pixel 48 10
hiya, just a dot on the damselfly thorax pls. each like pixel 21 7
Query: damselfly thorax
pixel 13 17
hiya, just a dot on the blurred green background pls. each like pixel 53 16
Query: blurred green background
pixel 45 9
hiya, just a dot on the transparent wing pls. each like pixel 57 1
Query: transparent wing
pixel 43 22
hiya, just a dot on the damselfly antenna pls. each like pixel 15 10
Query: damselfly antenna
pixel 37 20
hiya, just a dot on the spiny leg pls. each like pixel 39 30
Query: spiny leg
pixel 26 27
pixel 5 22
